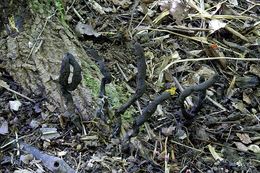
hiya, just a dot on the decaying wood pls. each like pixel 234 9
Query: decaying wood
pixel 38 74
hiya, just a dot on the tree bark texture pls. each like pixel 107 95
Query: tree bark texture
pixel 33 58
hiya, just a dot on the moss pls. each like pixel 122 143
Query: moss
pixel 91 82
pixel 116 93
pixel 117 96
pixel 45 7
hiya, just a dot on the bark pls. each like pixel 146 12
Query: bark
pixel 33 58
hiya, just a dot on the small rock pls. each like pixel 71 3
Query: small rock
pixel 15 105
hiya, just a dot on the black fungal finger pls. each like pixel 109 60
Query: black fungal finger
pixel 141 67
pixel 146 114
pixel 107 78
pixel 67 87
pixel 201 88
pixel 201 97
pixel 140 88
pixel 65 72
pixel 103 69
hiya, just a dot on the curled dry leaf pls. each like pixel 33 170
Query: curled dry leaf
pixel 22 171
pixel 244 138
pixel 254 148
pixel 97 7
pixel 241 146
pixel 215 25
pixel 3 126
pixel 123 3
pixel 246 98
pixel 168 131
pixel 85 29
pixel 213 152
pixel 49 133
pixel 254 69
pixel 175 7
pixel 233 2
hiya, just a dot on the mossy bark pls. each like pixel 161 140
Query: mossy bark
pixel 33 58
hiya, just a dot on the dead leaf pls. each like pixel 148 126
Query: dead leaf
pixel 175 7
pixel 122 3
pixel 246 98
pixel 254 148
pixel 26 158
pixel 49 133
pixel 201 133
pixel 214 153
pixel 168 131
pixel 241 146
pixel 97 7
pixel 3 126
pixel 15 105
pixel 244 138
pixel 230 90
pixel 255 69
pixel 181 134
pixel 240 106
pixel 4 84
pixel 22 171
pixel 215 25
pixel 233 2
pixel 85 29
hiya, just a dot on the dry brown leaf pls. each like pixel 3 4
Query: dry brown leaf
pixel 255 69
pixel 168 131
pixel 176 8
pixel 3 126
pixel 241 146
pixel 254 148
pixel 85 29
pixel 215 25
pixel 213 152
pixel 244 137
pixel 122 3
pixel 246 98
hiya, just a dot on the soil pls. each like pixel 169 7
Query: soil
pixel 223 136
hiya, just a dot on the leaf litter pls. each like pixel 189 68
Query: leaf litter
pixel 183 41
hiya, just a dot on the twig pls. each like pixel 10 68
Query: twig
pixel 183 145
pixel 132 14
pixel 122 72
pixel 38 37
pixel 4 85
pixel 79 16
pixel 216 103
pixel 209 58
pixel 78 165
pixel 70 6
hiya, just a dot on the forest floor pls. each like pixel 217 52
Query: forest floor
pixel 183 41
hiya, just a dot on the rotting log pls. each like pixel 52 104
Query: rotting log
pixel 33 58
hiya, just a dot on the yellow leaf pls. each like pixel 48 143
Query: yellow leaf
pixel 172 91
pixel 214 153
